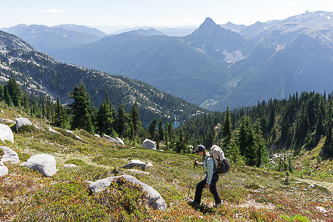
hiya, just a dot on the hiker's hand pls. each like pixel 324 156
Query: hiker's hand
pixel 207 185
pixel 196 162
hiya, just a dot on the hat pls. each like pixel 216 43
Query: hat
pixel 199 149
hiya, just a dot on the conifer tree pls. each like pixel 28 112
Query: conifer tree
pixel 59 119
pixel 104 118
pixel 7 97
pixel 81 109
pixel 121 121
pixel 152 128
pixel 160 130
pixel 166 136
pixel 261 150
pixel 1 93
pixel 226 130
pixel 135 119
pixel 15 92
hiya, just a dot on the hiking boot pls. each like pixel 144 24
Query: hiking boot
pixel 193 203
pixel 217 206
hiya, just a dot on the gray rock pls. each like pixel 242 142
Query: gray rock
pixel 3 171
pixel 45 164
pixel 69 165
pixel 9 156
pixel 154 198
pixel 6 133
pixel 76 136
pixel 52 130
pixel 149 144
pixel 114 140
pixel 7 121
pixel 97 135
pixel 120 141
pixel 135 163
pixel 22 122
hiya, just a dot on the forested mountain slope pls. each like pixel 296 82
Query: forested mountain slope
pixel 39 73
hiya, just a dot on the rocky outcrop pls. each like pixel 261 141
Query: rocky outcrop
pixel 22 122
pixel 9 156
pixel 154 198
pixel 45 164
pixel 6 133
pixel 149 144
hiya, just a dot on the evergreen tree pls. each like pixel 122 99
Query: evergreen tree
pixel 261 149
pixel 121 121
pixel 59 120
pixel 15 92
pixel 226 130
pixel 7 97
pixel 166 139
pixel 152 128
pixel 1 93
pixel 81 109
pixel 135 119
pixel 104 118
pixel 160 130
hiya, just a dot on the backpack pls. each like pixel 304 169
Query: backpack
pixel 221 164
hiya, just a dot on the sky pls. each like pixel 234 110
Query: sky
pixel 155 13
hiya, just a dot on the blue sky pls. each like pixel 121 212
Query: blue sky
pixel 169 13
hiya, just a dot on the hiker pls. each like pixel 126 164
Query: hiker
pixel 210 180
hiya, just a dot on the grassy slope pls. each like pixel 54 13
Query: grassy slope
pixel 248 194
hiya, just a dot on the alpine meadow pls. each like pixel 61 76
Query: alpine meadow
pixel 103 127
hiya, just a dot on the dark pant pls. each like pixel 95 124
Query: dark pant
pixel 212 188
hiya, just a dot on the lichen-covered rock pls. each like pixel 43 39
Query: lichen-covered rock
pixel 114 140
pixel 76 136
pixel 22 122
pixel 149 144
pixel 45 164
pixel 9 156
pixel 154 198
pixel 6 133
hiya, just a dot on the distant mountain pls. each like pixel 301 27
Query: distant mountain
pixel 144 32
pixel 38 73
pixel 214 67
pixel 49 39
pixel 167 63
pixel 233 27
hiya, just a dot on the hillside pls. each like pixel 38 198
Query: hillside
pixel 38 73
pixel 220 65
pixel 250 194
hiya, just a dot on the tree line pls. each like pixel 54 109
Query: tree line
pixel 247 133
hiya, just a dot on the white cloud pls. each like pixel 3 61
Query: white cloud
pixel 23 11
pixel 54 11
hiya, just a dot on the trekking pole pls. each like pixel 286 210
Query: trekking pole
pixel 188 194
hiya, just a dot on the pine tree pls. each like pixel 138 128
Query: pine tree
pixel 81 109
pixel 261 150
pixel 121 121
pixel 160 130
pixel 15 92
pixel 59 120
pixel 166 139
pixel 7 97
pixel 104 118
pixel 135 119
pixel 226 130
pixel 152 128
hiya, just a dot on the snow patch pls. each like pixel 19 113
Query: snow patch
pixel 328 17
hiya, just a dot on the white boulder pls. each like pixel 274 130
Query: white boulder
pixel 149 144
pixel 154 198
pixel 9 156
pixel 6 133
pixel 52 130
pixel 22 122
pixel 45 164
pixel 3 171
